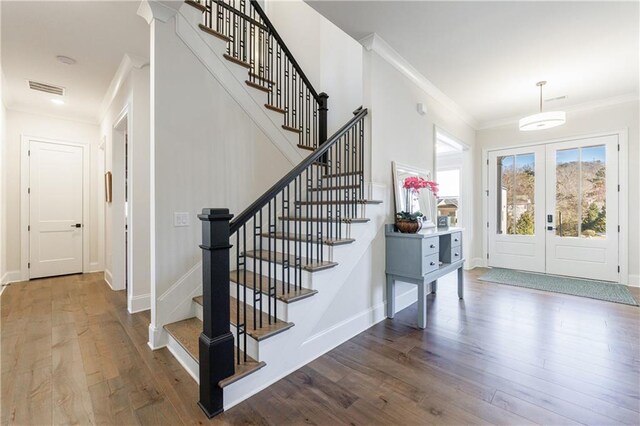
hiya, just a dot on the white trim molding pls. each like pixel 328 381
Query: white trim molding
pixel 585 106
pixel 375 43
pixel 139 303
pixel 634 281
pixel 127 63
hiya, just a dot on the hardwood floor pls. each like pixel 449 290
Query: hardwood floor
pixel 71 354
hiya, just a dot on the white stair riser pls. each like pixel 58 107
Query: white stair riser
pixel 291 245
pixel 281 307
pixel 276 271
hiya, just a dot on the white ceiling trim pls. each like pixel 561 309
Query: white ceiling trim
pixel 374 42
pixel 126 65
pixel 601 103
pixel 158 9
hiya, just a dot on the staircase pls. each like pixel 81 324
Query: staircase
pixel 279 252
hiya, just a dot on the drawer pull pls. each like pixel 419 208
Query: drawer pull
pixel 432 263
pixel 432 246
pixel 456 240
pixel 456 254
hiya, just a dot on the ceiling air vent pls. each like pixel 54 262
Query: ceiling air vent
pixel 47 88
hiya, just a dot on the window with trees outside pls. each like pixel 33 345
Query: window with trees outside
pixel 516 194
pixel 581 209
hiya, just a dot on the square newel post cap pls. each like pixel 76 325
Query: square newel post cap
pixel 215 215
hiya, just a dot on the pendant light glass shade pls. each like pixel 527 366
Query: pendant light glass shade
pixel 542 120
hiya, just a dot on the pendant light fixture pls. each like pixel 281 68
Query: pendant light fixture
pixel 542 120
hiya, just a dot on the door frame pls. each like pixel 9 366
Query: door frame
pixel 623 196
pixel 25 205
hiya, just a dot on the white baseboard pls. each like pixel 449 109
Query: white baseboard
pixel 634 281
pixel 476 262
pixel 108 277
pixel 11 277
pixel 157 338
pixel 94 267
pixel 139 303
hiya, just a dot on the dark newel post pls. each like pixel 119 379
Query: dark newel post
pixel 322 110
pixel 216 340
pixel 322 121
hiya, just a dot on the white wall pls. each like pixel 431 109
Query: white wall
pixel 23 123
pixel 207 153
pixel 132 98
pixel 3 186
pixel 609 118
pixel 330 58
pixel 399 133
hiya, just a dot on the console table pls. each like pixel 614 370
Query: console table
pixel 421 259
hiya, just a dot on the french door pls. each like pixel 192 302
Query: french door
pixel 554 208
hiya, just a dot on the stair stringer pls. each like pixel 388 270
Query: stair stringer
pixel 209 51
pixel 321 323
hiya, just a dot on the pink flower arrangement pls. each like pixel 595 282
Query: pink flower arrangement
pixel 415 184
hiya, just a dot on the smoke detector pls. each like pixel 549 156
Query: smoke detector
pixel 65 60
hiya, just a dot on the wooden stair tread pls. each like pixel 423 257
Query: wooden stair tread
pixel 200 7
pixel 333 175
pixel 311 265
pixel 324 219
pixel 341 202
pixel 257 86
pixel 308 148
pixel 291 129
pixel 236 61
pixel 281 293
pixel 338 187
pixel 275 108
pixel 214 33
pixel 266 80
pixel 187 334
pixel 259 333
pixel 297 237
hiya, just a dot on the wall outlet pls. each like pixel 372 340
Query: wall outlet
pixel 180 219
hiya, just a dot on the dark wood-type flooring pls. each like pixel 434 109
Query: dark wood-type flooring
pixel 71 354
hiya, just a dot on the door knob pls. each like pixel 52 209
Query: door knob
pixel 77 225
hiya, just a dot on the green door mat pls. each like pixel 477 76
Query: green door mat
pixel 600 290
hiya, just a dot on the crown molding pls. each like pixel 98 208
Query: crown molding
pixel 162 10
pixel 127 63
pixel 375 43
pixel 585 106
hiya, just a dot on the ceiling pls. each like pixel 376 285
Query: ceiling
pixel 487 56
pixel 95 34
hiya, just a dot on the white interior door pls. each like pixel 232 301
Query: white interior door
pixel 582 204
pixel 516 209
pixel 55 209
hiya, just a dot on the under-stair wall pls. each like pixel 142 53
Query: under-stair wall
pixel 207 150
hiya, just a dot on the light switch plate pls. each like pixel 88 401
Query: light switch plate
pixel 180 219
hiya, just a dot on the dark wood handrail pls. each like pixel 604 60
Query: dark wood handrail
pixel 272 192
pixel 286 50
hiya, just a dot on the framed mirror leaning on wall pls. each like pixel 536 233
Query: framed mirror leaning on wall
pixel 408 201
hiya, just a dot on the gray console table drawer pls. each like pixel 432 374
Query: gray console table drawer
pixel 456 239
pixel 430 245
pixel 430 263
pixel 453 255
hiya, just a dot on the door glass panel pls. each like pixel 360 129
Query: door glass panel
pixel 594 211
pixel 516 194
pixel 567 192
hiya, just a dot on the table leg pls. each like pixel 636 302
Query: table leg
pixel 460 283
pixel 434 286
pixel 422 306
pixel 391 297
